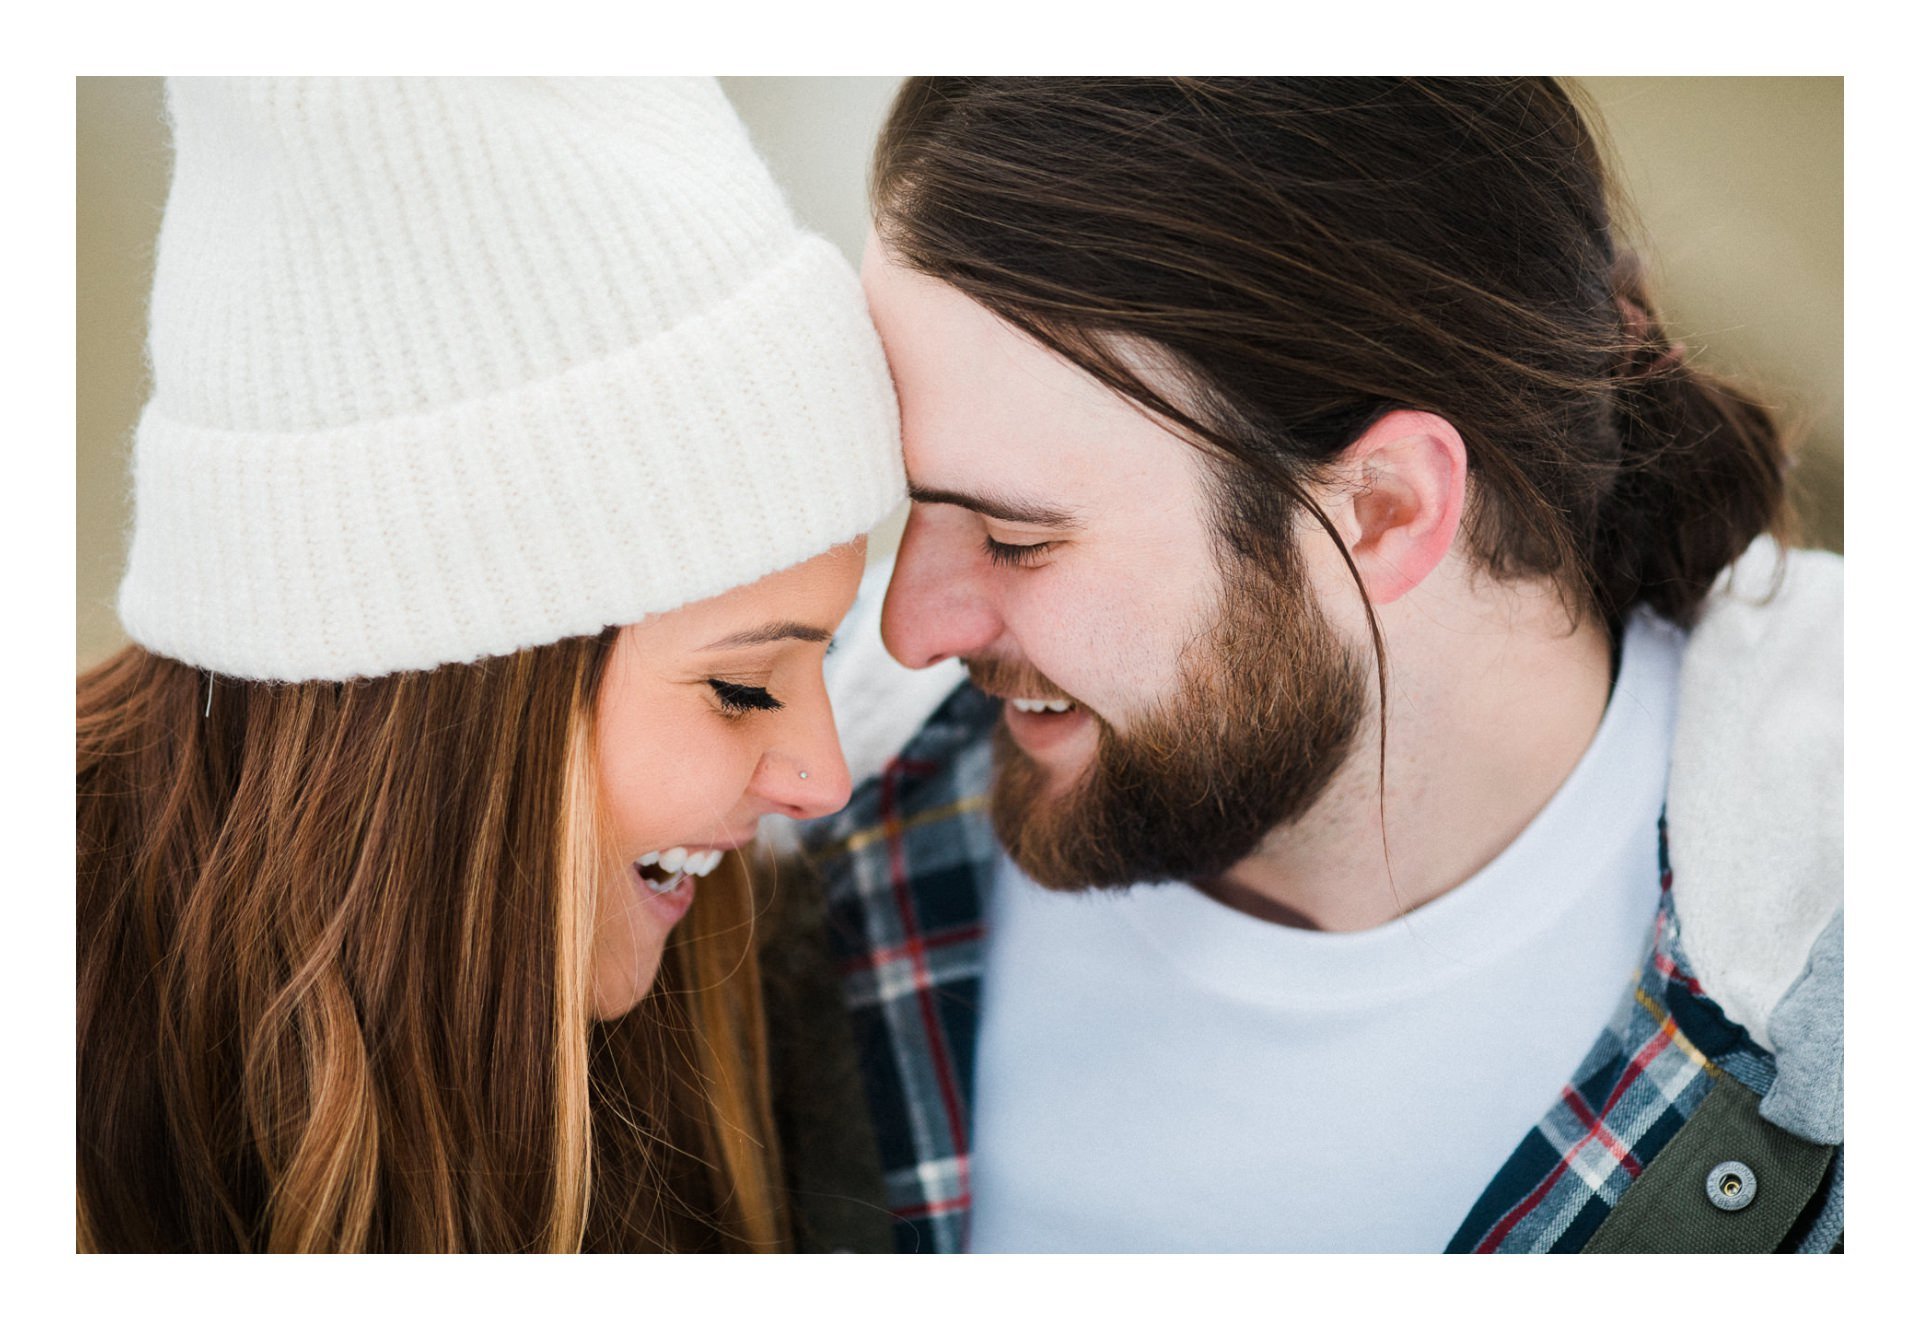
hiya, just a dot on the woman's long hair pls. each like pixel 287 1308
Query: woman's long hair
pixel 334 948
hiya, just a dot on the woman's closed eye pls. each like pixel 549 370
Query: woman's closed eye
pixel 737 699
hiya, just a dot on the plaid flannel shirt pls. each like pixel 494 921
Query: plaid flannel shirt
pixel 907 867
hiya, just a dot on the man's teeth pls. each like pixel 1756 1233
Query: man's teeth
pixel 679 859
pixel 1035 704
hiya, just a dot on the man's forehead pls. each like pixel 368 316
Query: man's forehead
pixel 997 423
pixel 943 346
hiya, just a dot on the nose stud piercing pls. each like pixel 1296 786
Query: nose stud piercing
pixel 803 775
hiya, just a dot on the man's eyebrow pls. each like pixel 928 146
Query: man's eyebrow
pixel 784 630
pixel 1023 511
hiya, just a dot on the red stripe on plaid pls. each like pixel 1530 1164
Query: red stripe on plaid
pixel 933 1209
pixel 1498 1233
pixel 1663 964
pixel 916 951
pixel 1664 967
pixel 946 937
pixel 1597 1130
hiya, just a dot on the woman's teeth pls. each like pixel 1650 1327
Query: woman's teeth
pixel 669 865
pixel 699 863
pixel 1035 704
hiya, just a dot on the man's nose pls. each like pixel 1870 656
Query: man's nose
pixel 935 606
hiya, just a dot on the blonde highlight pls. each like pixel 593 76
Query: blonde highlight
pixel 334 952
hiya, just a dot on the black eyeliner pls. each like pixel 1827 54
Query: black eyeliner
pixel 736 699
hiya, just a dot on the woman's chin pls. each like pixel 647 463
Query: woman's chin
pixel 618 985
pixel 635 920
pixel 614 1000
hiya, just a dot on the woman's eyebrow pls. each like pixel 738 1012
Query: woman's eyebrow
pixel 784 630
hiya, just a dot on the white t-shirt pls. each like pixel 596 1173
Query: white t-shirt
pixel 1159 1072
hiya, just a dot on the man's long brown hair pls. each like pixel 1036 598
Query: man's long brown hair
pixel 1307 254
pixel 334 979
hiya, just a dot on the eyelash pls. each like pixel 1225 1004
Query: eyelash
pixel 737 699
pixel 1015 556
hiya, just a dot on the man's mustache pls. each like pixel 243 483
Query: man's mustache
pixel 1005 678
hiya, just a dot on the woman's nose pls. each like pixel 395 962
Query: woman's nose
pixel 807 775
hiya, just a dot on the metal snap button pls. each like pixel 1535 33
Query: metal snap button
pixel 1731 1185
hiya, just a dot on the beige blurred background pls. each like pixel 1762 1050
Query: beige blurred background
pixel 1737 184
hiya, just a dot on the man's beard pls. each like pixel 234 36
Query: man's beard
pixel 1265 713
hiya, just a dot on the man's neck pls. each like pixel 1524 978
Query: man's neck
pixel 1492 703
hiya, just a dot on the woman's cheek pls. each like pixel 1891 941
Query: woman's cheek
pixel 719 769
pixel 644 780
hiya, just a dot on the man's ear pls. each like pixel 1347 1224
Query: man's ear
pixel 1405 482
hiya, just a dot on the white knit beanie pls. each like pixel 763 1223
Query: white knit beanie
pixel 446 368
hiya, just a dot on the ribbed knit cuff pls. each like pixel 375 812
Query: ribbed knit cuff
pixel 737 444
